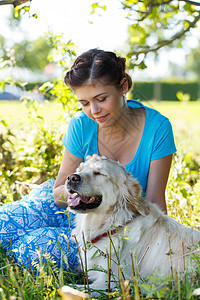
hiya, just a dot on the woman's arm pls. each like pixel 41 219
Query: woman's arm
pixel 68 166
pixel 157 181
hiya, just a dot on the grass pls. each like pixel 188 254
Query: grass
pixel 183 116
pixel 185 121
pixel 16 112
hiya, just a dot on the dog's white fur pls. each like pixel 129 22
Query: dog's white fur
pixel 158 241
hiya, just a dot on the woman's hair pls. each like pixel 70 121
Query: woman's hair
pixel 97 66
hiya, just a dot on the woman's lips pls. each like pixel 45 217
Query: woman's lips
pixel 101 119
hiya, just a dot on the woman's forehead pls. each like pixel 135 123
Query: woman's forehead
pixel 94 90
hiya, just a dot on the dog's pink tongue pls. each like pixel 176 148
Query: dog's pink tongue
pixel 74 201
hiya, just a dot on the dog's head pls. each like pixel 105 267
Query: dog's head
pixel 101 183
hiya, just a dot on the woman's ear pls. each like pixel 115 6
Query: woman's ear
pixel 124 85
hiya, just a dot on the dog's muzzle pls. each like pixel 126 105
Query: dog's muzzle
pixel 78 201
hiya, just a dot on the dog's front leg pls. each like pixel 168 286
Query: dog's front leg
pixel 99 285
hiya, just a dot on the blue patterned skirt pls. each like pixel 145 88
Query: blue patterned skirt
pixel 34 228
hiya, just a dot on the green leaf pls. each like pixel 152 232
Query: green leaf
pixel 95 254
pixel 17 12
pixel 95 6
pixel 26 8
pixel 142 65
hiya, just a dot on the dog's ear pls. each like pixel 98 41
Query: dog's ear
pixel 135 201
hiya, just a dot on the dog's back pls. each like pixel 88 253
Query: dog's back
pixel 164 244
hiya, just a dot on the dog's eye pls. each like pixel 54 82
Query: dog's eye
pixel 97 173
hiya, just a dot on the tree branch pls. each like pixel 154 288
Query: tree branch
pixel 167 42
pixel 191 2
pixel 13 2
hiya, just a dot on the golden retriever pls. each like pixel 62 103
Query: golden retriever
pixel 110 209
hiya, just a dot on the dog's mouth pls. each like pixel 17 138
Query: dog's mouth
pixel 80 202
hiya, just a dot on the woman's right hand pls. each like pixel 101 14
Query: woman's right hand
pixel 68 166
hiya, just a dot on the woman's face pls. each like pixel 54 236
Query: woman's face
pixel 102 103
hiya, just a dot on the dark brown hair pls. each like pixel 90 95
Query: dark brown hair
pixel 97 65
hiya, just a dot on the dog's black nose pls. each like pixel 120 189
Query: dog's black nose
pixel 73 178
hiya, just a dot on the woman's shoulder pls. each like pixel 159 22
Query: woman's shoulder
pixel 152 114
pixel 81 118
pixel 79 115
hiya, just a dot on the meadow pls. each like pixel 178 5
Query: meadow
pixel 184 117
pixel 31 151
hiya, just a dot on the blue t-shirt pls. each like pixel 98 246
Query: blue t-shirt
pixel 81 139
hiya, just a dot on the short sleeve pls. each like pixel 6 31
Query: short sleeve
pixel 164 141
pixel 72 139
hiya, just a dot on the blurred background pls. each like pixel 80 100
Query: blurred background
pixel 27 37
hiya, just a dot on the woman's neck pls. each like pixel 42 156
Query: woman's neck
pixel 121 141
pixel 129 121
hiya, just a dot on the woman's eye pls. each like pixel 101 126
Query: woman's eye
pixel 84 103
pixel 101 100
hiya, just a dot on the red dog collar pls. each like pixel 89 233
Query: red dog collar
pixel 99 237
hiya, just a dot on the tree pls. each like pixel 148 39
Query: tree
pixel 158 23
pixel 155 24
pixel 32 54
pixel 29 54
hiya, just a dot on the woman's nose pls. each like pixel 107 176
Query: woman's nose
pixel 95 108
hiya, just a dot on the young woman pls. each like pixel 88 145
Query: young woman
pixel 127 131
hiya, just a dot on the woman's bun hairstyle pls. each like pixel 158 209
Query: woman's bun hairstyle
pixel 97 65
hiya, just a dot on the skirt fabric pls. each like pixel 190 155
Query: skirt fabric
pixel 34 228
